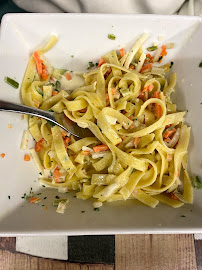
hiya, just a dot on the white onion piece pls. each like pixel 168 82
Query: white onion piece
pixel 85 148
pixel 100 154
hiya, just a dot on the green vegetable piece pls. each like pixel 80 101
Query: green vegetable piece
pixel 51 123
pixel 12 82
pixel 57 85
pixel 111 36
pixel 197 182
pixel 171 64
pixel 38 89
pixel 200 65
pixel 56 202
pixel 152 48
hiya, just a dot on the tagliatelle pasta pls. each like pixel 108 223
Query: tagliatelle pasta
pixel 140 141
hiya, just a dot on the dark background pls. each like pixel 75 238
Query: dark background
pixel 7 6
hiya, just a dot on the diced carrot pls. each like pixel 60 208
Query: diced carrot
pixel 158 110
pixel 63 134
pixel 33 199
pixel 123 137
pixel 136 141
pixel 54 93
pixel 173 197
pixel 148 66
pixel 3 155
pixel 150 87
pixel 151 58
pixel 46 208
pixel 141 95
pixel 68 76
pixel 113 90
pixel 167 126
pixel 169 133
pixel 177 173
pixel 38 145
pixel 100 148
pixel 167 140
pixel 156 94
pixel 67 141
pixel 132 66
pixel 107 96
pixel 107 72
pixel 101 62
pixel 56 173
pixel 85 153
pixel 122 52
pixel 44 73
pixel 38 62
pixel 9 126
pixel 27 158
pixel 163 52
pixel 36 103
pixel 150 166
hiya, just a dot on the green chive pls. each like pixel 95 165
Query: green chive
pixel 182 216
pixel 57 197
pixel 83 211
pixel 38 89
pixel 12 82
pixel 50 110
pixel 111 36
pixel 96 209
pixel 200 65
pixel 9 197
pixel 72 56
pixel 171 64
pixel 152 48
pixel 45 198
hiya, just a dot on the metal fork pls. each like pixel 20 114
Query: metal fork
pixel 56 118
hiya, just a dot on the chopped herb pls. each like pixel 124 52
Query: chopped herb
pixel 200 65
pixel 57 85
pixel 96 64
pixel 96 209
pixel 66 158
pixel 74 196
pixel 56 202
pixel 43 205
pixel 38 89
pixel 12 82
pixel 40 173
pixel 45 198
pixel 83 211
pixel 197 182
pixel 171 64
pixel 68 169
pixel 152 48
pixel 50 110
pixel 72 56
pixel 182 216
pixel 111 36
pixel 39 193
pixel 57 197
pixel 90 65
pixel 51 174
pixel 22 197
pixel 9 197
pixel 132 170
pixel 43 186
pixel 51 123
pixel 191 210
pixel 161 57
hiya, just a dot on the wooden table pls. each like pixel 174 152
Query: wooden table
pixel 141 252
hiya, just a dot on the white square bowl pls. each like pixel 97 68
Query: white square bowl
pixel 86 37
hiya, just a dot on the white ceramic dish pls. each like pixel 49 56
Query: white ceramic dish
pixel 85 37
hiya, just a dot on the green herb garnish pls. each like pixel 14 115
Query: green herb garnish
pixel 56 202
pixel 171 64
pixel 38 89
pixel 96 209
pixel 57 85
pixel 90 65
pixel 182 216
pixel 43 186
pixel 152 48
pixel 39 193
pixel 200 65
pixel 111 36
pixel 132 170
pixel 161 57
pixel 12 82
pixel 9 197
pixel 45 198
pixel 72 56
pixel 50 110
pixel 197 182
pixel 83 211
pixel 57 197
